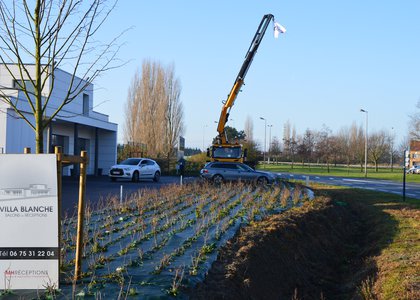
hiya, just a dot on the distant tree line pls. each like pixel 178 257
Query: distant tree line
pixel 345 147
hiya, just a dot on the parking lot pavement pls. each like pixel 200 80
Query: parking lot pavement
pixel 100 187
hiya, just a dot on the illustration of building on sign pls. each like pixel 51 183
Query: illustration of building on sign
pixel 33 191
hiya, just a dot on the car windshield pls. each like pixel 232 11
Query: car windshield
pixel 130 162
pixel 221 152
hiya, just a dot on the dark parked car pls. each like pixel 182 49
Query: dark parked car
pixel 230 171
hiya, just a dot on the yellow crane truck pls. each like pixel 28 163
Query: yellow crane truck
pixel 222 149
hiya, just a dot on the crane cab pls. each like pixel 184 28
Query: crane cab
pixel 226 153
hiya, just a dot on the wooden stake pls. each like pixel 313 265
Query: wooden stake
pixel 80 216
pixel 59 156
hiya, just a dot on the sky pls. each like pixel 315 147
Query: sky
pixel 335 58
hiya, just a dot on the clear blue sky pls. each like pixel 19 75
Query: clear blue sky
pixel 335 58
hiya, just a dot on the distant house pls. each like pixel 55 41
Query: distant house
pixel 77 127
pixel 414 153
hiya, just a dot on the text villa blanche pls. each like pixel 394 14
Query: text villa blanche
pixel 27 209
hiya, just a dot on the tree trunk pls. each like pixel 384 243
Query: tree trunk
pixel 348 166
pixel 168 162
pixel 39 135
pixel 39 127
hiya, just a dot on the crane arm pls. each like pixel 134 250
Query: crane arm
pixel 252 50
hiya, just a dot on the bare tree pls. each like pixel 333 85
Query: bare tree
pixel 37 38
pixel 287 139
pixel 343 140
pixel 401 148
pixel 306 146
pixel 154 112
pixel 132 111
pixel 249 128
pixel 377 147
pixel 293 145
pixel 275 147
pixel 392 151
pixel 325 145
pixel 151 97
pixel 174 113
pixel 357 141
pixel 414 124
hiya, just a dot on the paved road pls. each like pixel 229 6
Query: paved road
pixel 387 186
pixel 101 187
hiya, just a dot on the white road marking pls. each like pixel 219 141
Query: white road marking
pixel 359 180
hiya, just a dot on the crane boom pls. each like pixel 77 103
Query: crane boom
pixel 252 50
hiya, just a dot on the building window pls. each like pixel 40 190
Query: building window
pixel 85 104
pixel 59 140
pixel 83 145
pixel 27 84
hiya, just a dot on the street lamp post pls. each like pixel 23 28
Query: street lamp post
pixel 269 143
pixel 265 136
pixel 366 139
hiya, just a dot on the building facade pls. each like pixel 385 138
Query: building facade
pixel 76 128
pixel 414 153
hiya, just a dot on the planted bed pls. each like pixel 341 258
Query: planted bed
pixel 156 242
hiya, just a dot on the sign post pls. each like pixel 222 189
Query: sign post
pixel 83 161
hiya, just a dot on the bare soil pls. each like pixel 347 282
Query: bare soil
pixel 319 251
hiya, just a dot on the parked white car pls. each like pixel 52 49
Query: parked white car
pixel 136 169
pixel 414 170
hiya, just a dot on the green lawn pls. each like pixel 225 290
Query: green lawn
pixel 394 233
pixel 383 173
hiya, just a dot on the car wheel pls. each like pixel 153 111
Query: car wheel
pixel 217 179
pixel 262 180
pixel 135 177
pixel 156 177
pixel 113 179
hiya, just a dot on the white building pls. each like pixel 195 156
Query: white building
pixel 77 127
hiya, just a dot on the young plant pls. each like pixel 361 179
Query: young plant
pixel 164 262
pixel 176 282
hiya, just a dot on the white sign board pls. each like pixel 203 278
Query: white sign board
pixel 29 237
